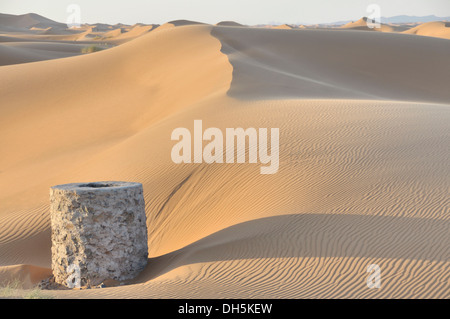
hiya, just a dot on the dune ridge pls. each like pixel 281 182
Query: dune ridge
pixel 436 29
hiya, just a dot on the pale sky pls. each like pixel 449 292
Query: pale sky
pixel 212 11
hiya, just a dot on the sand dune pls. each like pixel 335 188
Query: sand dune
pixel 284 27
pixel 361 24
pixel 29 20
pixel 438 29
pixel 281 63
pixel 32 38
pixel 432 29
pixel 366 25
pixel 364 162
pixel 23 52
pixel 116 37
pixel 23 29
pixel 139 30
pixel 113 33
pixel 26 276
pixel 177 23
pixel 230 24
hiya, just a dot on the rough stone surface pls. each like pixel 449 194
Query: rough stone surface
pixel 99 228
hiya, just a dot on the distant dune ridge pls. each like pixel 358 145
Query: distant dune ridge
pixel 29 20
pixel 32 27
pixel 438 29
pixel 432 29
pixel 230 24
pixel 55 38
pixel 364 159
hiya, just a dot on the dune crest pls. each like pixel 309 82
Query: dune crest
pixel 29 20
pixel 436 29
pixel 230 24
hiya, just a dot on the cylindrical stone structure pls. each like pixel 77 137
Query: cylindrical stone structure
pixel 99 232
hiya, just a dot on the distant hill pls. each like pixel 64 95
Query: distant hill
pixel 413 19
pixel 29 20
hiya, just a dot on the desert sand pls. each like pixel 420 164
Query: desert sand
pixel 364 169
pixel 437 29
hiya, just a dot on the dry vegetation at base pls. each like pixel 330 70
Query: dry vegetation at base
pixel 14 290
pixel 91 48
